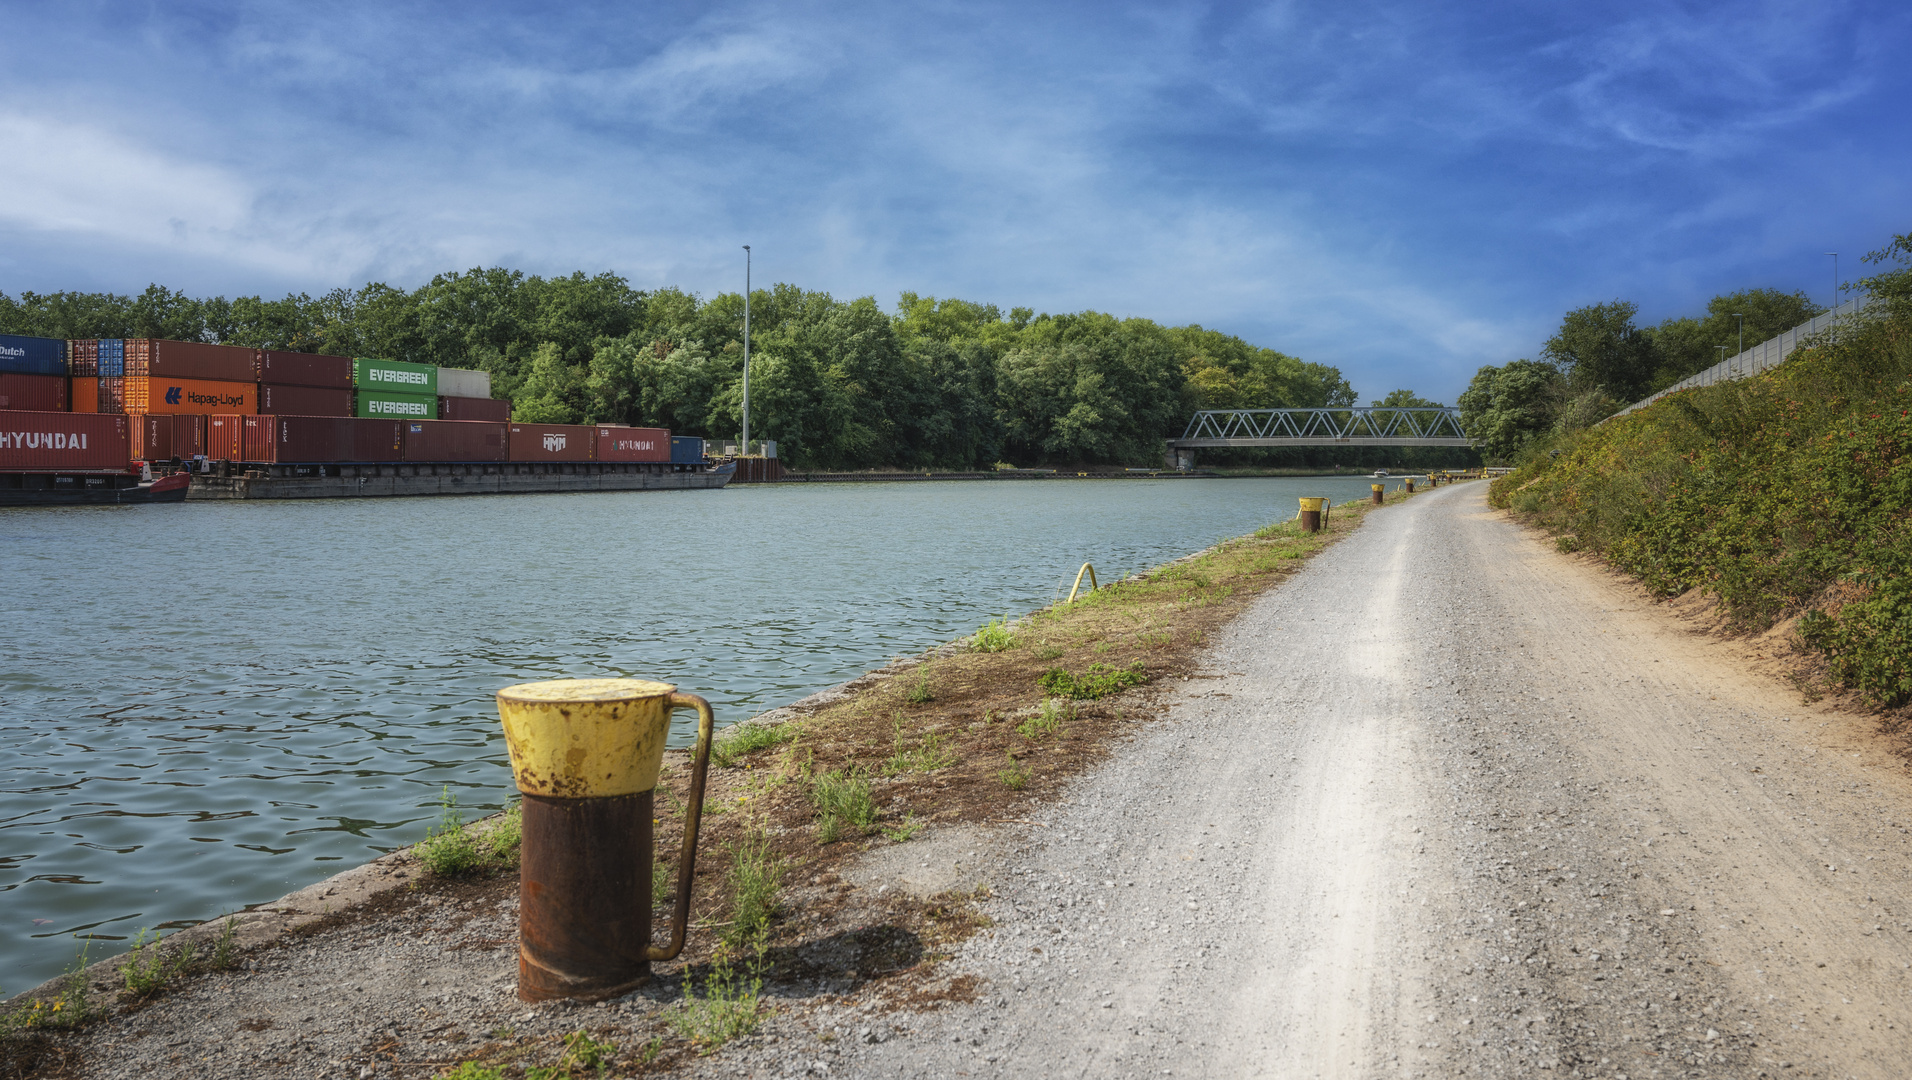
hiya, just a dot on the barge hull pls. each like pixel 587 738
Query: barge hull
pixel 486 478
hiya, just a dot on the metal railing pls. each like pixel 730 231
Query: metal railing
pixel 1764 356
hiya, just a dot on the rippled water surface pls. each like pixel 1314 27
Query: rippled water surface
pixel 207 705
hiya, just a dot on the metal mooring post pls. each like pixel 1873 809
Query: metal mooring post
pixel 1377 493
pixel 586 754
pixel 1311 514
pixel 1410 485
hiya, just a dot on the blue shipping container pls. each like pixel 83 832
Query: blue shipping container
pixel 112 357
pixel 687 450
pixel 32 355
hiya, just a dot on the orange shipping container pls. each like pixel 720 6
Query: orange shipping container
pixel 86 395
pixel 225 437
pixel 146 394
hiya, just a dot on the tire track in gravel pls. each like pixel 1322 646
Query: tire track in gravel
pixel 1452 805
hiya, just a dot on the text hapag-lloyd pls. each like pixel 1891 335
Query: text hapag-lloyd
pixel 196 398
pixel 41 440
pixel 410 378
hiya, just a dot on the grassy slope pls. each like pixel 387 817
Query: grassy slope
pixel 1781 495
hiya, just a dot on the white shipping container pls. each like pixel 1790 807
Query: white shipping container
pixel 463 382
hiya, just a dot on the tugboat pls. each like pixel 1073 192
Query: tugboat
pixel 55 489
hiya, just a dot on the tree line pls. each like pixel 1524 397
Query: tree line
pixel 1599 362
pixel 936 383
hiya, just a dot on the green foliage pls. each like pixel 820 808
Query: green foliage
pixel 1100 680
pixel 73 1006
pixel 842 801
pixel 1015 776
pixel 148 968
pixel 920 691
pixel 1598 348
pixel 1505 408
pixel 1688 346
pixel 1047 719
pixel 583 1057
pixel 472 1070
pixel 755 880
pixel 927 754
pixel 730 1006
pixel 995 636
pixel 742 740
pixel 450 850
pixel 1789 493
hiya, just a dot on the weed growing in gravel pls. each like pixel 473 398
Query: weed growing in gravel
pixel 731 1005
pixel 1100 680
pixel 471 1070
pixel 502 841
pixel 995 636
pixel 921 693
pixel 744 739
pixel 71 1009
pixel 225 951
pixel 756 877
pixel 1048 652
pixel 1015 777
pixel 901 833
pixel 651 1050
pixel 449 849
pixel 581 1052
pixel 1047 719
pixel 660 881
pixel 842 799
pixel 930 753
pixel 147 969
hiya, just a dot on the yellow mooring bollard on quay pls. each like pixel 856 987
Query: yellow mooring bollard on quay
pixel 1377 493
pixel 586 754
pixel 1311 511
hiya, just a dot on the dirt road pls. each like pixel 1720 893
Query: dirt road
pixel 1452 804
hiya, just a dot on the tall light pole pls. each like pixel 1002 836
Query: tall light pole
pixel 745 448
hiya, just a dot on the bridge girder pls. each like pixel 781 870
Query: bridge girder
pixel 1349 426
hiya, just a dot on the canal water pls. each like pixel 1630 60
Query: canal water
pixel 207 705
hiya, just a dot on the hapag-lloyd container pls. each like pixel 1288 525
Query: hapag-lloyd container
pixel 34 393
pixel 159 358
pixel 453 440
pixel 189 435
pixel 303 369
pixel 64 442
pixel 153 395
pixel 494 410
pixel 20 355
pixel 395 376
pixel 552 442
pixel 320 439
pixel 383 404
pixel 632 444
pixel 152 436
pixel 305 400
pixel 225 437
pixel 687 450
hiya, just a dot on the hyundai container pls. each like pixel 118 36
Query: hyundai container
pixel 382 404
pixel 463 382
pixel 225 437
pixel 189 435
pixel 305 400
pixel 162 359
pixel 687 450
pixel 302 369
pixel 395 376
pixel 453 440
pixel 632 444
pixel 35 393
pixel 64 442
pixel 552 442
pixel 468 408
pixel 37 356
pixel 152 436
pixel 155 395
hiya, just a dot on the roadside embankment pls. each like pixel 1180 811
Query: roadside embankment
pixel 391 968
pixel 1786 498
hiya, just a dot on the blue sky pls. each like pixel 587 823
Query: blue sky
pixel 1404 190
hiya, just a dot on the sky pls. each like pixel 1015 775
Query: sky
pixel 1405 190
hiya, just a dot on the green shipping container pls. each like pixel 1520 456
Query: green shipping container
pixel 383 406
pixel 395 376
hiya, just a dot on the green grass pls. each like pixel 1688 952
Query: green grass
pixel 755 881
pixel 842 801
pixel 1048 718
pixel 583 1056
pixel 742 740
pixel 930 753
pixel 1100 680
pixel 1015 777
pixel 1048 652
pixel 148 968
pixel 731 1005
pixel 920 692
pixel 451 850
pixel 995 636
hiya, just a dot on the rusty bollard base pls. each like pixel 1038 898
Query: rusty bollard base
pixel 584 901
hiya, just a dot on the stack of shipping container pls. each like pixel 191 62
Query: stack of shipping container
pixel 156 400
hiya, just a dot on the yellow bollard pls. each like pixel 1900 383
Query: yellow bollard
pixel 586 754
pixel 1311 510
pixel 1377 493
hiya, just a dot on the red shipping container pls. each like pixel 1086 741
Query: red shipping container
pixel 34 393
pixel 152 436
pixel 453 440
pixel 303 369
pixel 225 437
pixel 377 440
pixel 86 395
pixel 64 442
pixel 189 435
pixel 160 359
pixel 633 444
pixel 111 396
pixel 83 357
pixel 304 400
pixel 552 442
pixel 493 410
pixel 320 439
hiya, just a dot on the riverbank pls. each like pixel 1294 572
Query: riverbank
pixel 906 759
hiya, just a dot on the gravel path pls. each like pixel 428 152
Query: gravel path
pixel 1452 805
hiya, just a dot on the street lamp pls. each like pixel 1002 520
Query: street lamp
pixel 745 448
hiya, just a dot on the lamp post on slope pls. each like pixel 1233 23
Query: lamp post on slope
pixel 745 448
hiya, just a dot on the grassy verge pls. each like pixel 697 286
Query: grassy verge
pixel 1787 496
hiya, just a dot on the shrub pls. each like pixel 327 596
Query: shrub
pixel 995 636
pixel 842 799
pixel 1100 680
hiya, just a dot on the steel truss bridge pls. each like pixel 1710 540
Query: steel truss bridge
pixel 1350 426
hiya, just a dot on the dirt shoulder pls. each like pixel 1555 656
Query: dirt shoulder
pixel 390 970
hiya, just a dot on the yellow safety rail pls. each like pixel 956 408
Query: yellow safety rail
pixel 1086 569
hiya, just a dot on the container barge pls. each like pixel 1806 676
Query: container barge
pixel 145 420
